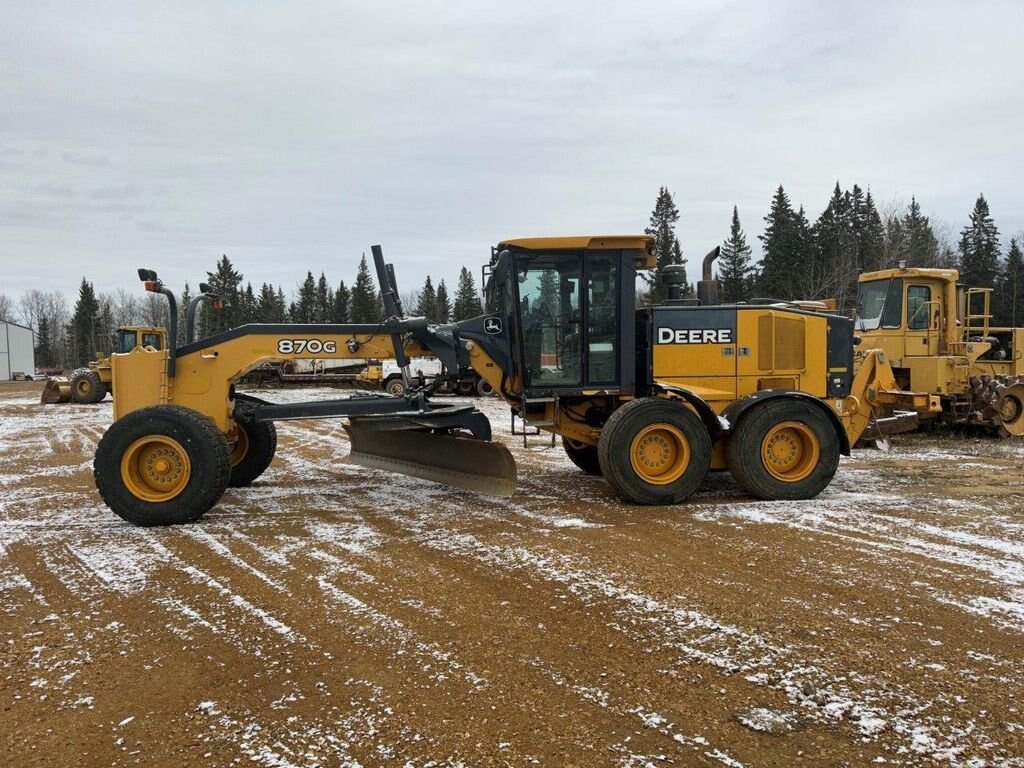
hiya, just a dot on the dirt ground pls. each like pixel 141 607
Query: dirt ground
pixel 337 616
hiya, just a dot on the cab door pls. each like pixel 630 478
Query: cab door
pixel 921 320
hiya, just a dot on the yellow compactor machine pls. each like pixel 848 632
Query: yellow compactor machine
pixel 938 337
pixel 651 398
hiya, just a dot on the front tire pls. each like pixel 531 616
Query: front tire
pixel 255 448
pixel 783 449
pixel 484 388
pixel 582 455
pixel 654 451
pixel 87 387
pixel 162 465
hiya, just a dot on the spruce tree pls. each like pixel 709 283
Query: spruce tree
pixel 444 304
pixel 342 302
pixel 832 268
pixel 224 281
pixel 266 305
pixel 734 268
pixel 922 248
pixel 324 307
pixel 83 325
pixel 305 303
pixel 467 301
pixel 281 309
pixel 1011 288
pixel 979 248
pixel 366 302
pixel 870 237
pixel 427 306
pixel 666 246
pixel 183 302
pixel 781 247
pixel 44 344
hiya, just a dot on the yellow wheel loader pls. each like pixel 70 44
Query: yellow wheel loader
pixel 91 384
pixel 650 398
pixel 938 338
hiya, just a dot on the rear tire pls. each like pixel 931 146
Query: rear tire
pixel 256 446
pixel 87 387
pixel 465 387
pixel 654 451
pixel 162 465
pixel 583 456
pixel 783 449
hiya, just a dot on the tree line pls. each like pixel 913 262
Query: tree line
pixel 70 336
pixel 801 260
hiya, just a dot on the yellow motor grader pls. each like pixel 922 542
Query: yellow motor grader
pixel 651 398
pixel 91 384
pixel 938 338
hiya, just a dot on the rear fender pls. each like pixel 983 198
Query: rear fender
pixel 705 411
pixel 737 408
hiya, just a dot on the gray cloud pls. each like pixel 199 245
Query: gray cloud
pixel 293 137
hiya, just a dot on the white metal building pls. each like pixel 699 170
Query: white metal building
pixel 17 352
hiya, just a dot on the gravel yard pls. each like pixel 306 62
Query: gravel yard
pixel 332 615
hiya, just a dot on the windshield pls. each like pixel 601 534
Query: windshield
pixel 870 304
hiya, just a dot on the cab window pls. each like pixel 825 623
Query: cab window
pixel 125 341
pixel 151 340
pixel 892 315
pixel 918 307
pixel 603 319
pixel 549 300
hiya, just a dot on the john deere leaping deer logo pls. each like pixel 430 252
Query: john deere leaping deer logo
pixel 492 325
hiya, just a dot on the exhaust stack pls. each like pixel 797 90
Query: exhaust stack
pixel 707 286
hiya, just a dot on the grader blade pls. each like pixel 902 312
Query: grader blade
pixel 476 465
pixel 57 390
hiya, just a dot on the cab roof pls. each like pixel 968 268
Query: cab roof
pixel 642 244
pixel 950 275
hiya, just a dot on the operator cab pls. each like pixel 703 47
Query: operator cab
pixel 130 338
pixel 570 307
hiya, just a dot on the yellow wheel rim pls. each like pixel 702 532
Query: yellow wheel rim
pixel 241 447
pixel 790 451
pixel 659 454
pixel 84 387
pixel 155 468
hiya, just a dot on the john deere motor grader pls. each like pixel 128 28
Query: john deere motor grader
pixel 650 398
pixel 938 338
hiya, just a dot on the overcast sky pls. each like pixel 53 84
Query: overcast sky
pixel 291 136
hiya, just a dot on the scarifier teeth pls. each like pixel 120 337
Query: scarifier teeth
pixel 476 465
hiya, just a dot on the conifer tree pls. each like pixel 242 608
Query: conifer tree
pixel 781 247
pixel 1011 288
pixel 871 237
pixel 324 305
pixel 224 281
pixel 833 264
pixel 266 305
pixel 979 248
pixel 366 302
pixel 444 304
pixel 922 248
pixel 734 264
pixel 83 324
pixel 305 303
pixel 281 309
pixel 247 310
pixel 183 301
pixel 342 302
pixel 666 245
pixel 427 306
pixel 467 301
pixel 44 343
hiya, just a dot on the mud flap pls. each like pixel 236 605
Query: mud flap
pixel 476 465
pixel 57 390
